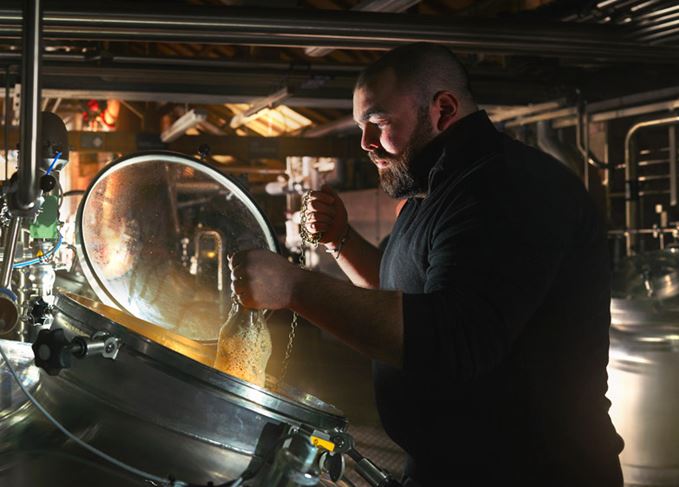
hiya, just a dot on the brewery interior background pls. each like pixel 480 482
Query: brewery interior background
pixel 262 91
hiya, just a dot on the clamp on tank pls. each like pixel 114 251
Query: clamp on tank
pixel 332 460
pixel 54 352
pixel 293 464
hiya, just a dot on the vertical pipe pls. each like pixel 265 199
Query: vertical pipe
pixel 608 172
pixel 631 196
pixel 10 248
pixel 579 138
pixel 672 134
pixel 7 119
pixel 27 190
pixel 585 138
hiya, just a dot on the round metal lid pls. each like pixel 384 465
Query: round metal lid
pixel 153 233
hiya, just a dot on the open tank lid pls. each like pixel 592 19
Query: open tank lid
pixel 153 233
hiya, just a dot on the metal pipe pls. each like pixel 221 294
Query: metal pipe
pixel 624 113
pixel 563 112
pixel 10 250
pixel 334 101
pixel 579 136
pixel 6 127
pixel 585 152
pixel 343 124
pixel 342 30
pixel 367 6
pixel 207 63
pixel 645 231
pixel 605 110
pixel 631 183
pixel 672 135
pixel 510 113
pixel 29 155
pixel 643 193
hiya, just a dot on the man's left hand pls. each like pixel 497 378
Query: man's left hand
pixel 262 279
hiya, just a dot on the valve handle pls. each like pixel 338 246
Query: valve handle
pixel 52 350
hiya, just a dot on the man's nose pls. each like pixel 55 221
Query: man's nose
pixel 370 138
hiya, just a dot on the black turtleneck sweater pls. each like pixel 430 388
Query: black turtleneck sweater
pixel 504 270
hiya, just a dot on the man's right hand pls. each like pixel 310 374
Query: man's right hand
pixel 327 215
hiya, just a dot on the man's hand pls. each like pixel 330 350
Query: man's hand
pixel 327 215
pixel 262 279
pixel 369 320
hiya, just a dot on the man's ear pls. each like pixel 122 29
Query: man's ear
pixel 446 109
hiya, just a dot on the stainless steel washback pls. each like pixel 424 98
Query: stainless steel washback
pixel 644 366
pixel 155 403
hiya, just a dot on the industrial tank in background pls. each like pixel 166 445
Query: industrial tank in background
pixel 643 371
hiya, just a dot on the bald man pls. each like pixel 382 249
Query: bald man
pixel 487 314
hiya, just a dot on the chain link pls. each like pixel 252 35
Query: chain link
pixel 310 239
pixel 307 238
pixel 288 349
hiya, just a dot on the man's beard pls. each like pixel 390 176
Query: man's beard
pixel 402 178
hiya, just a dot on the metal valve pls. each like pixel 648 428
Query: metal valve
pixel 54 352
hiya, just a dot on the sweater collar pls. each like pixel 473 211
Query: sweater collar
pixel 462 144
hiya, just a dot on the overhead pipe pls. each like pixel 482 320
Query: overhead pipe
pixel 632 182
pixel 523 111
pixel 207 63
pixel 341 30
pixel 367 6
pixel 567 117
pixel 344 124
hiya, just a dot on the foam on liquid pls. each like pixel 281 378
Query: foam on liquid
pixel 244 349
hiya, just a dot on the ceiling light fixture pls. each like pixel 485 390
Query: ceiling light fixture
pixel 259 105
pixel 187 121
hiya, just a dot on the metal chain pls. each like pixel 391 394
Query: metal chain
pixel 307 238
pixel 288 349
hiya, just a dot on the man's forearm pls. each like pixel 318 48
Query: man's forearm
pixel 360 261
pixel 368 320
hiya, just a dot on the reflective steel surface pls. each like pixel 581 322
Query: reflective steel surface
pixel 644 366
pixel 13 402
